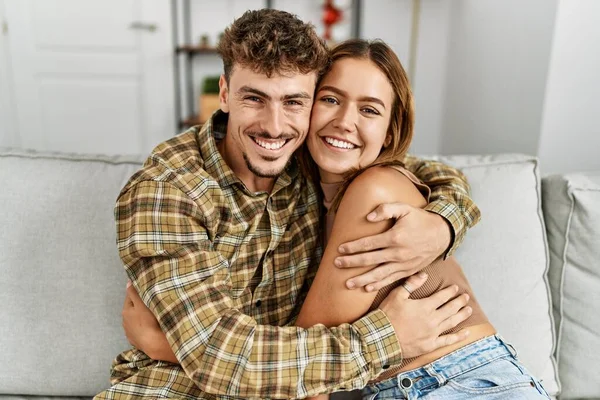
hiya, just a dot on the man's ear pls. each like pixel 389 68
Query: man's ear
pixel 223 94
pixel 387 141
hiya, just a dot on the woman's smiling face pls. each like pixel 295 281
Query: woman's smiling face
pixel 350 117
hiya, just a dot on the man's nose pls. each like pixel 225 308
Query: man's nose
pixel 273 120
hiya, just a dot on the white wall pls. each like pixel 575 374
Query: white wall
pixel 8 136
pixel 570 133
pixel 390 21
pixel 429 83
pixel 498 57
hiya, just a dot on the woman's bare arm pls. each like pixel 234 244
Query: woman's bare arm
pixel 329 302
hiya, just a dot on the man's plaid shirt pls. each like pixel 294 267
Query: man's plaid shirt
pixel 225 271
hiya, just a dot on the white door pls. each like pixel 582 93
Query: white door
pixel 91 76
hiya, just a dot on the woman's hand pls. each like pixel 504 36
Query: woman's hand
pixel 420 324
pixel 142 328
pixel 417 239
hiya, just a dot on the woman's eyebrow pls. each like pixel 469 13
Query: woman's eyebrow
pixel 334 90
pixel 344 94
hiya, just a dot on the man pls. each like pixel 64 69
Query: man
pixel 219 234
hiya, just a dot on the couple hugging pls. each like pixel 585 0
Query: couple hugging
pixel 290 248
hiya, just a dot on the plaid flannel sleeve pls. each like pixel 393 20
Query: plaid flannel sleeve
pixel 169 258
pixel 450 196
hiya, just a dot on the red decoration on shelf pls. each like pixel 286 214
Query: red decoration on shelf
pixel 331 16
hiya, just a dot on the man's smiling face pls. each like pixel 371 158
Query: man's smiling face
pixel 268 120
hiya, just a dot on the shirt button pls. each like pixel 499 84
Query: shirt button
pixel 386 366
pixel 258 303
pixel 406 383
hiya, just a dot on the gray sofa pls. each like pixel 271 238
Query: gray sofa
pixel 533 263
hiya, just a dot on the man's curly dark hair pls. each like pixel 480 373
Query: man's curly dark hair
pixel 272 41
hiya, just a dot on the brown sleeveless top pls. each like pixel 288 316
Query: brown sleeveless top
pixel 442 273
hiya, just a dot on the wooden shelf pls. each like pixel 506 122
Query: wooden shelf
pixel 189 49
pixel 191 121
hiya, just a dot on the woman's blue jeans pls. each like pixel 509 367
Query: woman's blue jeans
pixel 486 369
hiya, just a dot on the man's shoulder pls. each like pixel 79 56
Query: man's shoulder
pixel 179 155
pixel 177 161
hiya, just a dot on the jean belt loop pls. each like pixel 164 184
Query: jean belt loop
pixel 508 346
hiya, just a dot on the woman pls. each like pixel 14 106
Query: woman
pixel 361 128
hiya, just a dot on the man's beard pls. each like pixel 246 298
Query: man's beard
pixel 258 172
pixel 253 168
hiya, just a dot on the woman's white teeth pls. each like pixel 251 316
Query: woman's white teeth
pixel 339 143
pixel 270 145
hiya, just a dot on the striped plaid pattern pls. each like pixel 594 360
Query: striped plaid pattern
pixel 224 271
pixel 450 196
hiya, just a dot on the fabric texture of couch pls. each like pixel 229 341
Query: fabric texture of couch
pixel 572 211
pixel 62 284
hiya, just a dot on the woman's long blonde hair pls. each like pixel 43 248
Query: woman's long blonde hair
pixel 401 126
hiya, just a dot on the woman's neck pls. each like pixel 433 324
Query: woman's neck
pixel 328 177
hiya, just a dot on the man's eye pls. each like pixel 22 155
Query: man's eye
pixel 293 103
pixel 252 98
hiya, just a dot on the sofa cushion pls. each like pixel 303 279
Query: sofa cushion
pixel 62 283
pixel 572 212
pixel 505 256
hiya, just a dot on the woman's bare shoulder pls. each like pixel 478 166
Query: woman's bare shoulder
pixel 378 185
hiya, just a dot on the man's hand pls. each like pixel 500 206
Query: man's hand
pixel 419 324
pixel 417 238
pixel 142 329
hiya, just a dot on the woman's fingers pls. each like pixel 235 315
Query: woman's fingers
pixel 451 338
pixel 454 313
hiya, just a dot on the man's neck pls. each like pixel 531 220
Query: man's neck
pixel 238 165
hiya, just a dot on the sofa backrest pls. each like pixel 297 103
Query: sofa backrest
pixel 61 280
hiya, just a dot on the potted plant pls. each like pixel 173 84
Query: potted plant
pixel 209 99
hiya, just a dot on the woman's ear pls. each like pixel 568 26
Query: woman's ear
pixel 387 141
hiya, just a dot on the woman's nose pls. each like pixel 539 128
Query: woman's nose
pixel 346 119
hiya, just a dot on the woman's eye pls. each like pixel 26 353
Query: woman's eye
pixel 329 100
pixel 370 110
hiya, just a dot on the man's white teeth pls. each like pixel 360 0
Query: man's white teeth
pixel 339 143
pixel 270 145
